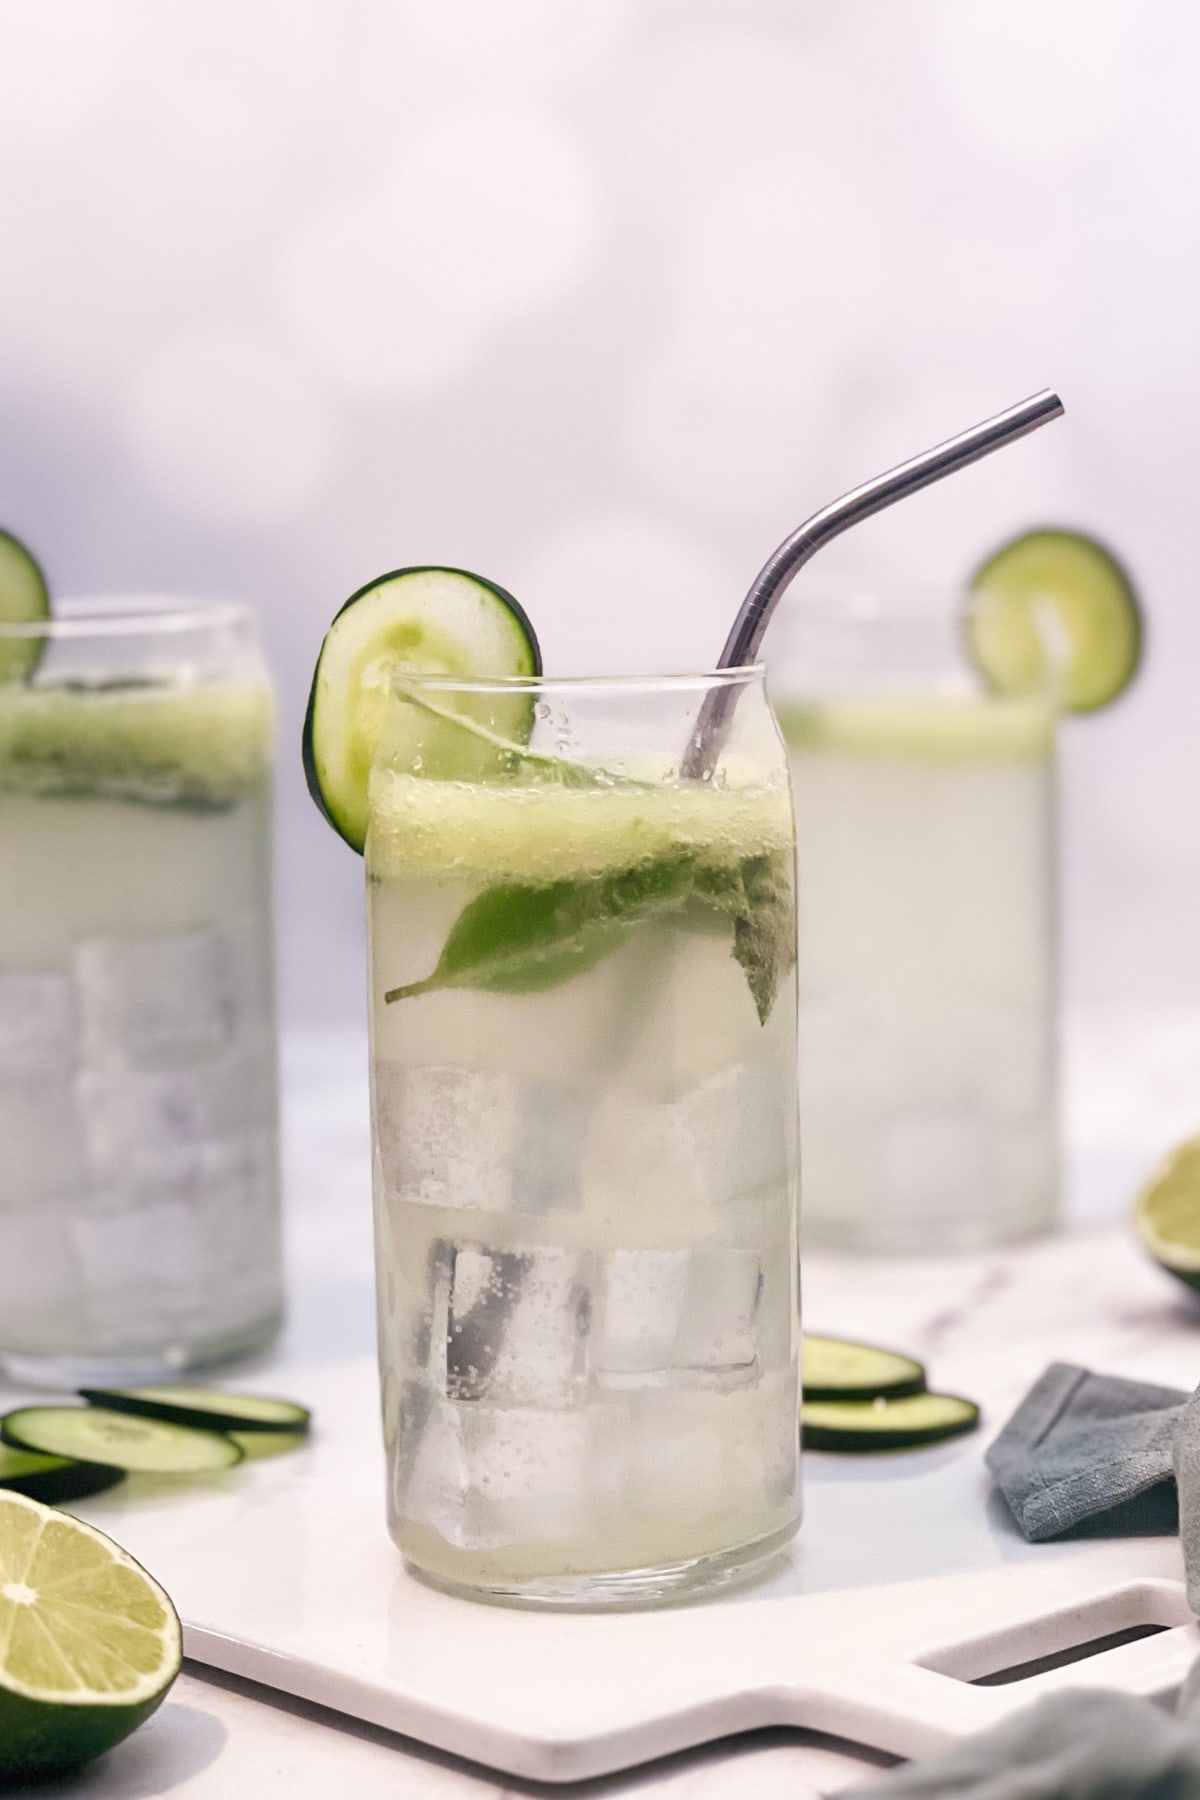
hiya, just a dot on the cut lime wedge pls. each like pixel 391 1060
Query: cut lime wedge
pixel 1054 614
pixel 24 600
pixel 89 1643
pixel 1167 1214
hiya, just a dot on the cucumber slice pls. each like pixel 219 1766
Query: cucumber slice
pixel 838 1369
pixel 53 1479
pixel 864 1425
pixel 116 1441
pixel 429 621
pixel 1054 613
pixel 208 1409
pixel 24 599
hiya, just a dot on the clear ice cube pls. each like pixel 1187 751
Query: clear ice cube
pixel 483 1476
pixel 42 1149
pixel 39 1023
pixel 511 1327
pixel 450 1136
pixel 151 1122
pixel 680 1317
pixel 152 997
pixel 43 1293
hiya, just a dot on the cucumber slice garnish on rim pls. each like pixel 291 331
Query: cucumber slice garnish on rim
pixel 117 1441
pixel 427 621
pixel 866 1425
pixel 207 1409
pixel 1054 614
pixel 838 1369
pixel 24 600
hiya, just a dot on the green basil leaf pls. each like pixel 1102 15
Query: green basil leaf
pixel 521 939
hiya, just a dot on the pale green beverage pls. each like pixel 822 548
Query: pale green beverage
pixel 139 1203
pixel 925 831
pixel 583 1085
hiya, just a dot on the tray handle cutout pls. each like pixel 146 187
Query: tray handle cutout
pixel 1068 1635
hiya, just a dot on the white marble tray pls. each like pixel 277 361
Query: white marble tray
pixel 907 1583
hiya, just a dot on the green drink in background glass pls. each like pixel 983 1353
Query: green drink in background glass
pixel 139 1193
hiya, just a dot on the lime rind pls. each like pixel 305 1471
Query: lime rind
pixel 24 600
pixel 1054 613
pixel 1167 1214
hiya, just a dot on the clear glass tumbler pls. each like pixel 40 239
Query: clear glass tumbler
pixel 926 842
pixel 139 1189
pixel 582 994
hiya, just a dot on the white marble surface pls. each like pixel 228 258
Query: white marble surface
pixel 986 1325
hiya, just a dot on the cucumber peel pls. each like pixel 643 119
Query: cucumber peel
pixel 863 1426
pixel 426 621
pixel 1054 614
pixel 52 1479
pixel 205 1409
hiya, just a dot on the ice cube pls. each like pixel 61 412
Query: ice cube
pixel 717 1333
pixel 483 1476
pixel 143 1122
pixel 42 1288
pixel 42 1147
pixel 516 1324
pixel 451 1136
pixel 732 1137
pixel 152 997
pixel 711 1451
pixel 39 1023
pixel 933 1167
pixel 681 1317
pixel 644 1296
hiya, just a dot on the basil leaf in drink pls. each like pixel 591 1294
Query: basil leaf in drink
pixel 758 894
pixel 521 939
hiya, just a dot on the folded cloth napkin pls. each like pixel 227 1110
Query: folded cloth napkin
pixel 1081 1447
pixel 1082 1452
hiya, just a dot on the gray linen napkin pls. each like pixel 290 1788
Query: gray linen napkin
pixel 1082 1446
pixel 1085 1452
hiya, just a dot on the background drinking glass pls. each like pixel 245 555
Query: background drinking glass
pixel 583 1022
pixel 139 1191
pixel 925 831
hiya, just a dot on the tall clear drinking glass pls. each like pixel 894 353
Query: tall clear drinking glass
pixel 582 995
pixel 925 828
pixel 139 1191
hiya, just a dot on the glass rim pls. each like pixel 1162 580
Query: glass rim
pixel 133 615
pixel 699 682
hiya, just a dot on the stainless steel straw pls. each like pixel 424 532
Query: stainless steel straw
pixel 742 644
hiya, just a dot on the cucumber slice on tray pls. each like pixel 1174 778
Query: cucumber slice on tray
pixel 1054 613
pixel 24 600
pixel 839 1369
pixel 52 1479
pixel 116 1440
pixel 866 1425
pixel 206 1409
pixel 427 621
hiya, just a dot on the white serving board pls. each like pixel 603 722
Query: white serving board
pixel 283 1573
pixel 908 1577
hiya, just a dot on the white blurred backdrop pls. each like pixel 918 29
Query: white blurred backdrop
pixel 600 297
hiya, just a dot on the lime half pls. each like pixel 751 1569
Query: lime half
pixel 89 1644
pixel 1167 1214
pixel 24 600
pixel 1053 613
